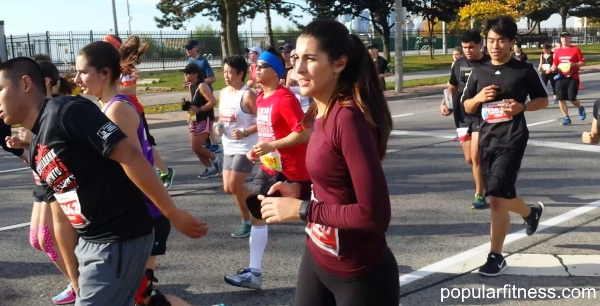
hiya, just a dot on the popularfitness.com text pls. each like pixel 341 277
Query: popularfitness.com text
pixel 514 292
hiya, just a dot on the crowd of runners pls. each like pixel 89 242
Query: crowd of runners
pixel 101 209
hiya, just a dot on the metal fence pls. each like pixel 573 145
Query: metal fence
pixel 166 50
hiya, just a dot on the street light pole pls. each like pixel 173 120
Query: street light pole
pixel 129 16
pixel 398 50
pixel 114 9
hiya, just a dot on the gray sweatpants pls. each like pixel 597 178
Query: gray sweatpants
pixel 111 273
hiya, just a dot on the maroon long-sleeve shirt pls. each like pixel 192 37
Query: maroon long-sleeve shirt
pixel 350 207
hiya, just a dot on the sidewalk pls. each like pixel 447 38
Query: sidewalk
pixel 179 118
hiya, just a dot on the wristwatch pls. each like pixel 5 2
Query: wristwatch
pixel 245 133
pixel 303 210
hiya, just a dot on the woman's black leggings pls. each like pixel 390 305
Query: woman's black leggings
pixel 549 77
pixel 380 286
pixel 5 131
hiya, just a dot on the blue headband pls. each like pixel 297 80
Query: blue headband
pixel 274 62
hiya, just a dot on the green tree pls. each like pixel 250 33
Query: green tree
pixel 379 11
pixel 283 8
pixel 435 11
pixel 205 31
pixel 569 8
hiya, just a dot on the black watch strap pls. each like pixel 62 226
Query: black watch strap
pixel 303 210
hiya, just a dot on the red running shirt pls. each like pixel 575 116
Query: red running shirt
pixel 277 116
pixel 564 56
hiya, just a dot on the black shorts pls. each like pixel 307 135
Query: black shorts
pixel 473 124
pixel 263 181
pixel 459 118
pixel 39 193
pixel 148 136
pixel 566 89
pixel 500 169
pixel 162 229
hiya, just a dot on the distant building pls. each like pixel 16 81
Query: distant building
pixel 362 24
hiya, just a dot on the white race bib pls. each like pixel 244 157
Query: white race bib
pixel 69 202
pixel 545 66
pixel 325 237
pixel 564 67
pixel 272 160
pixel 228 116
pixel 492 112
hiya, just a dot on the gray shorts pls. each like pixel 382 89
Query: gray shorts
pixel 100 281
pixel 238 163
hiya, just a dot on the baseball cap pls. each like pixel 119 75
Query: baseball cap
pixel 373 46
pixel 256 50
pixel 565 33
pixel 286 48
pixel 191 68
pixel 191 43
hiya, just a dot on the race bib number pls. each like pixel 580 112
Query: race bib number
pixel 325 237
pixel 492 112
pixel 228 115
pixel 272 161
pixel 564 67
pixel 69 202
pixel 545 66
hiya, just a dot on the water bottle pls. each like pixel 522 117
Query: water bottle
pixel 448 99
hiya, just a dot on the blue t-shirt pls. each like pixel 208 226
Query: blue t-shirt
pixel 204 67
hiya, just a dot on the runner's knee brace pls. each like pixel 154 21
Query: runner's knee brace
pixel 48 243
pixel 146 287
pixel 158 300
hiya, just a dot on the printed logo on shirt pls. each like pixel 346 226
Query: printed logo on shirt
pixel 106 130
pixel 264 124
pixel 52 170
pixel 325 237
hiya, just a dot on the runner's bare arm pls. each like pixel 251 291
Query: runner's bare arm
pixel 592 136
pixel 249 103
pixel 127 119
pixel 210 97
pixel 66 238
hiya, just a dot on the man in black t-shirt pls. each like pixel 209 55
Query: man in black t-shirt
pixel 96 180
pixel 467 125
pixel 498 90
pixel 383 66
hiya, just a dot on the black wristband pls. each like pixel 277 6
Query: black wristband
pixel 303 210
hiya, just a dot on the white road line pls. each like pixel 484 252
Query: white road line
pixel 6 228
pixel 402 115
pixel 483 249
pixel 541 122
pixel 14 170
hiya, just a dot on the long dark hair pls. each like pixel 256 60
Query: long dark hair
pixel 102 55
pixel 358 83
pixel 66 86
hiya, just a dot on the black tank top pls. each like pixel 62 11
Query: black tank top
pixel 199 100
pixel 549 59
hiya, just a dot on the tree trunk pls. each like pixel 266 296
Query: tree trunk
pixel 223 37
pixel 563 11
pixel 268 25
pixel 233 42
pixel 382 28
pixel 430 24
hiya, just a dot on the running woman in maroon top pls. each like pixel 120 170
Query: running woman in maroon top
pixel 347 261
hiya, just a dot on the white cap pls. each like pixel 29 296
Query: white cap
pixel 256 50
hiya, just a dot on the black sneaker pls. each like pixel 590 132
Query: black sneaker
pixel 533 220
pixel 494 266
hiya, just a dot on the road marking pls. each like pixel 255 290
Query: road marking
pixel 402 115
pixel 484 249
pixel 14 170
pixel 541 122
pixel 6 228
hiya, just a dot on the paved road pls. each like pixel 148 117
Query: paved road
pixel 431 190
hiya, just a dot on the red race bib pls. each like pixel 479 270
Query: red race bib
pixel 325 237
pixel 492 112
pixel 69 202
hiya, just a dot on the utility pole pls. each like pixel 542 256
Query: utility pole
pixel 130 18
pixel 115 17
pixel 398 50
pixel 3 44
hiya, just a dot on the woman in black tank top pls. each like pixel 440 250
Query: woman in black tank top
pixel 200 120
pixel 546 59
